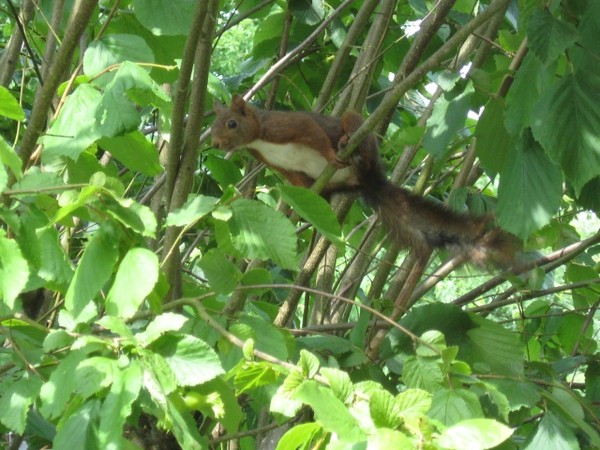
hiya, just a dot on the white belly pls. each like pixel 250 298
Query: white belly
pixel 298 158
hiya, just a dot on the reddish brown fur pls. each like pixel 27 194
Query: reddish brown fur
pixel 411 220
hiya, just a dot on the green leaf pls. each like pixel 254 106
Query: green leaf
pixel 160 325
pixel 118 327
pixel 116 113
pixel 300 436
pixel 549 36
pixel 248 349
pixel 71 201
pixel 495 346
pixel 475 434
pixel 452 321
pixel 57 339
pixel 339 381
pixel 531 79
pixel 14 271
pixel 134 151
pixel 530 189
pixel 413 402
pixel 172 18
pixel 447 119
pixel 269 338
pixel 408 135
pixel 94 269
pixel 519 393
pixel 195 208
pixel 384 410
pixel 422 373
pixel 192 360
pixel 453 406
pixel 55 393
pixel 225 171
pixel 331 344
pixel 55 265
pixel 281 403
pixel 565 123
pixel 16 401
pixel 570 407
pixel 552 433
pixel 10 159
pixel 3 177
pixel 117 406
pixel 266 35
pixel 224 404
pixel 435 339
pixel 256 277
pixel 498 399
pixel 34 180
pixel 223 276
pixel 113 49
pixel 308 12
pixel 385 439
pixel 183 425
pixel 159 379
pixel 135 279
pixel 77 431
pixel 251 375
pixel 94 374
pixel 570 332
pixel 331 413
pixel 314 209
pixel 261 232
pixel 9 107
pixel 309 364
pixel 131 214
pixel 494 144
pixel 69 137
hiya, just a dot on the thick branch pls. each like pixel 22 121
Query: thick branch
pixel 44 96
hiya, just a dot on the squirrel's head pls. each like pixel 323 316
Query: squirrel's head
pixel 235 126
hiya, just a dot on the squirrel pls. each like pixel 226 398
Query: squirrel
pixel 300 145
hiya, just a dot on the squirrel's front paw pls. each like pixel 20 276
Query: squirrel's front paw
pixel 343 142
pixel 340 163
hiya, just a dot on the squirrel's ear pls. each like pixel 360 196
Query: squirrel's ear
pixel 238 104
pixel 218 107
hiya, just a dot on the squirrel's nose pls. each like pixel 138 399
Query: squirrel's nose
pixel 216 142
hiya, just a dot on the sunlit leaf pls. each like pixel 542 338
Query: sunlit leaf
pixel 9 107
pixel 135 279
pixel 475 434
pixel 68 137
pixel 16 400
pixel 117 406
pixel 329 411
pixel 191 359
pixel 94 269
pixel 14 270
pixel 134 151
pixel 299 436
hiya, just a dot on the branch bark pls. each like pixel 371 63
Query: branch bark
pixel 45 94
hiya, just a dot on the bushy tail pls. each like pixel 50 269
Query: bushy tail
pixel 421 224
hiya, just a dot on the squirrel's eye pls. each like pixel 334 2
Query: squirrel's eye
pixel 231 124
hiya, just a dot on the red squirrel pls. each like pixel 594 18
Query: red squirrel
pixel 300 145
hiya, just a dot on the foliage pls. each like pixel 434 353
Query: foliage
pixel 150 287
